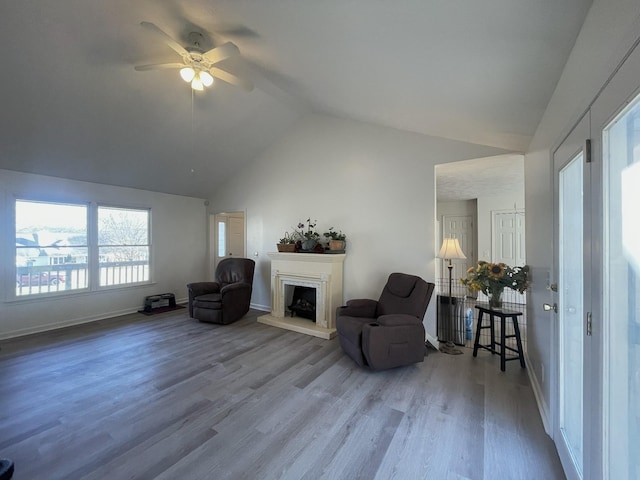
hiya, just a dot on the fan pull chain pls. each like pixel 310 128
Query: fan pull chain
pixel 193 143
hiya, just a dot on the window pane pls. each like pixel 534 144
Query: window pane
pixel 570 296
pixel 222 239
pixel 621 141
pixel 51 247
pixel 123 245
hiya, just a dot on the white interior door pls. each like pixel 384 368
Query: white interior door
pixel 573 405
pixel 508 237
pixel 235 236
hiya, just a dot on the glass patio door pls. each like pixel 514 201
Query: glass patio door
pixel 621 299
pixel 615 125
pixel 572 404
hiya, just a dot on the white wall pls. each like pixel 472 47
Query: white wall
pixel 607 34
pixel 456 207
pixel 376 184
pixel 179 236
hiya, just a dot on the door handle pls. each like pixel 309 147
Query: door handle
pixel 548 307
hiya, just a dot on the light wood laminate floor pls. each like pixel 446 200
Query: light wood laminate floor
pixel 167 397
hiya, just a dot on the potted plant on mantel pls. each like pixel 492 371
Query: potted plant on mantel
pixel 308 239
pixel 337 240
pixel 287 243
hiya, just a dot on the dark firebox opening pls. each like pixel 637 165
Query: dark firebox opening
pixel 303 303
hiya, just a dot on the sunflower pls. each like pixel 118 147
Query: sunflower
pixel 496 270
pixel 489 277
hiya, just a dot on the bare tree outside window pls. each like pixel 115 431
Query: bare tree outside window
pixel 123 239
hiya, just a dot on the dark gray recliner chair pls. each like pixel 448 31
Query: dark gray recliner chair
pixel 227 299
pixel 387 333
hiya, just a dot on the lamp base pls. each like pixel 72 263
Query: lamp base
pixel 450 349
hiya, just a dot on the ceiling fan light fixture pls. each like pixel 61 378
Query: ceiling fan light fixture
pixel 196 83
pixel 187 74
pixel 206 79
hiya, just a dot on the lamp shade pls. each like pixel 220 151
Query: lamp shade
pixel 450 249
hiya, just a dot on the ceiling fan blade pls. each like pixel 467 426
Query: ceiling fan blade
pixel 169 41
pixel 232 79
pixel 158 66
pixel 218 54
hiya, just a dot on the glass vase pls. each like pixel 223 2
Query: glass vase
pixel 495 299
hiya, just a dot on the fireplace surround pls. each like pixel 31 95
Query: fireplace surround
pixel 323 272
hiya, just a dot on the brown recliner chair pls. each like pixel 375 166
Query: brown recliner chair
pixel 226 299
pixel 387 333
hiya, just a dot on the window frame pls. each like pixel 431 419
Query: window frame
pixel 93 248
pixel 98 245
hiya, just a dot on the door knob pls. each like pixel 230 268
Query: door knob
pixel 548 307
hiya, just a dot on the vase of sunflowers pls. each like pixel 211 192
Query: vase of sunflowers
pixel 492 278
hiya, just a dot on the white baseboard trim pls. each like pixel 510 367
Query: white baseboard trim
pixel 64 324
pixel 262 308
pixel 537 392
pixel 432 340
pixel 75 321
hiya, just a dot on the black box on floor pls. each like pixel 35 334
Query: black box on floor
pixel 158 301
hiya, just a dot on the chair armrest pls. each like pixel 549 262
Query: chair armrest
pixel 202 288
pixel 232 287
pixel 397 319
pixel 361 307
pixel 236 301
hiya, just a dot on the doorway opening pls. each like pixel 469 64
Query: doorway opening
pixel 481 203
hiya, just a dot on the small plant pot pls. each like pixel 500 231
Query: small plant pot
pixel 336 244
pixel 309 244
pixel 286 247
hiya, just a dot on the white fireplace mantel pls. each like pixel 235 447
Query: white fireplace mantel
pixel 320 271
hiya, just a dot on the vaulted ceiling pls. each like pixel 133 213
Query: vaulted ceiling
pixel 73 105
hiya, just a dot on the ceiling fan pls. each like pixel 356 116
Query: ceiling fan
pixel 198 67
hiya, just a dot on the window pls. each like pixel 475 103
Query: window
pixel 51 247
pixel 123 245
pixel 222 238
pixel 56 250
